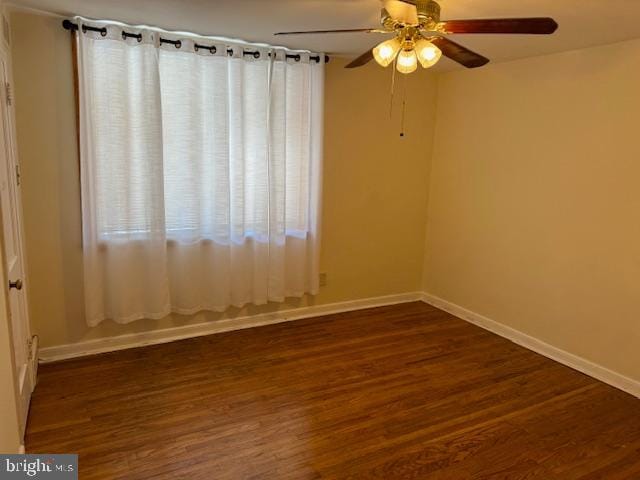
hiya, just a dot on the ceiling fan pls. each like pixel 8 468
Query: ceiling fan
pixel 420 35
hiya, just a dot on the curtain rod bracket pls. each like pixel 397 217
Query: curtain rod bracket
pixel 68 25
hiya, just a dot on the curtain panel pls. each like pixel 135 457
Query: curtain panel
pixel 200 171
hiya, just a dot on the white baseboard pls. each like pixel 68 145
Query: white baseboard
pixel 110 344
pixel 580 364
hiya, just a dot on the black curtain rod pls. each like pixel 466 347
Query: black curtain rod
pixel 69 25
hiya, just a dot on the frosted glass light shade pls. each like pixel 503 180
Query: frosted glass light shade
pixel 386 52
pixel 407 61
pixel 428 54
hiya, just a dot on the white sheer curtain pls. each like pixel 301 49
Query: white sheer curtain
pixel 201 173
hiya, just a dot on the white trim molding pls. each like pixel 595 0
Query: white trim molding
pixel 122 342
pixel 580 364
pixel 133 340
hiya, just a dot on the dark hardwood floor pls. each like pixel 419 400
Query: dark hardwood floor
pixel 401 392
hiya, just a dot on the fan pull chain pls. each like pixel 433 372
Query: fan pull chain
pixel 393 84
pixel 404 104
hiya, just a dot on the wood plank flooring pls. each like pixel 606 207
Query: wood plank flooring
pixel 401 392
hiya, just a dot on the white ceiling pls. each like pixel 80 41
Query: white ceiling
pixel 583 23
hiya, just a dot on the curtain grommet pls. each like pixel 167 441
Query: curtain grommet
pixel 212 49
pixel 178 44
pixel 137 36
pixel 103 31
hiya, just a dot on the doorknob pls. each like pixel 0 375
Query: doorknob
pixel 17 284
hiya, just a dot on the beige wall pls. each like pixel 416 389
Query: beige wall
pixel 534 200
pixel 375 185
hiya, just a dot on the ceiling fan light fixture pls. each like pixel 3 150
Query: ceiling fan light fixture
pixel 428 54
pixel 407 61
pixel 419 28
pixel 386 52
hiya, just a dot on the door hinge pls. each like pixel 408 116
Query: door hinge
pixel 17 174
pixel 7 87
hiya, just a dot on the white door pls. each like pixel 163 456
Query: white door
pixel 11 210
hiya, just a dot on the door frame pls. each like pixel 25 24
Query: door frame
pixel 25 379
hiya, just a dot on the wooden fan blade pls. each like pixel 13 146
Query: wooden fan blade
pixel 350 30
pixel 533 26
pixel 363 59
pixel 459 54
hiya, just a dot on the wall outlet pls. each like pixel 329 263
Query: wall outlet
pixel 323 279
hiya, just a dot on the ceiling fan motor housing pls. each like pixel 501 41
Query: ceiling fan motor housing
pixel 428 13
